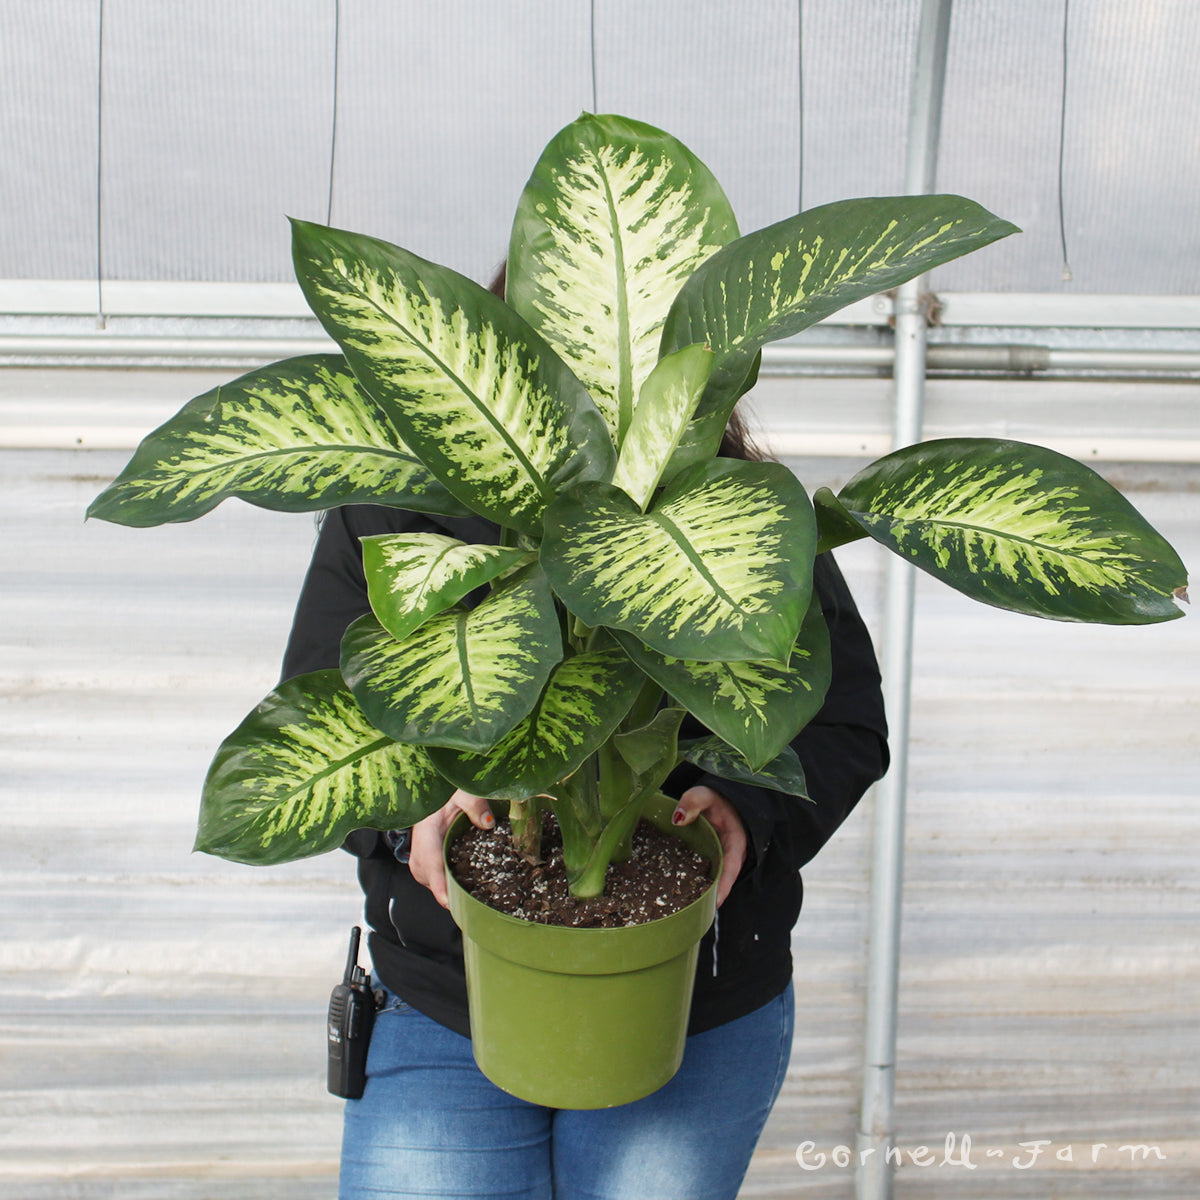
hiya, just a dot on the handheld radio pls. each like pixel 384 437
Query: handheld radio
pixel 351 1016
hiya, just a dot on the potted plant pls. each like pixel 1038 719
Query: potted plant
pixel 582 415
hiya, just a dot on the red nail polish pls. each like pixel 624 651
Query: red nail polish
pixel 677 817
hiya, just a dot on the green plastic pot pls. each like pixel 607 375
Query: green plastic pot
pixel 583 1018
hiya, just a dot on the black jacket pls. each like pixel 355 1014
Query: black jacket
pixel 745 960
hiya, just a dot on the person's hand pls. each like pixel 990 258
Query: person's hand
pixel 724 819
pixel 425 852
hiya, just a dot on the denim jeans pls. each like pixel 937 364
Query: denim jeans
pixel 429 1124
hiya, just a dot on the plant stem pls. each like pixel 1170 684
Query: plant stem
pixel 588 878
pixel 525 817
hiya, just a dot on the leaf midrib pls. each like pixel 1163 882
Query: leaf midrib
pixel 757 333
pixel 751 705
pixel 464 664
pixel 624 395
pixel 334 767
pixel 1011 537
pixel 543 488
pixel 425 585
pixel 689 551
pixel 329 448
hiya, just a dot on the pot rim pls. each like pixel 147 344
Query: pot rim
pixel 538 944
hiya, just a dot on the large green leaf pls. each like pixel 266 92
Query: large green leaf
pixel 719 569
pixel 783 773
pixel 757 707
pixel 668 399
pixel 489 407
pixel 297 436
pixel 465 677
pixel 583 703
pixel 1019 527
pixel 616 216
pixel 414 576
pixel 782 279
pixel 304 769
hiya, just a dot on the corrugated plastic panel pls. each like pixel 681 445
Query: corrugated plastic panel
pixel 1131 144
pixel 217 123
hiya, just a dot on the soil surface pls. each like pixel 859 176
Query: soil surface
pixel 661 876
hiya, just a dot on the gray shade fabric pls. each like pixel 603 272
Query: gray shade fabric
pixel 217 122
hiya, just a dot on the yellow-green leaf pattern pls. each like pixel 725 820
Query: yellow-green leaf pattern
pixel 779 280
pixel 719 569
pixel 305 769
pixel 616 216
pixel 583 703
pixel 414 576
pixel 482 399
pixel 296 436
pixel 463 678
pixel 1020 527
pixel 757 707
pixel 668 399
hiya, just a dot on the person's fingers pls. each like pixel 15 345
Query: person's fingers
pixel 425 852
pixel 728 825
pixel 476 807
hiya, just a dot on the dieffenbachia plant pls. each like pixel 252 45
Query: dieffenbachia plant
pixel 582 415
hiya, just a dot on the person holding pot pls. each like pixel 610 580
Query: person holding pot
pixel 429 1123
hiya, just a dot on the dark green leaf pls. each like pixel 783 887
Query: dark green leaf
pixel 486 403
pixel 465 677
pixel 615 217
pixel 298 436
pixel 719 568
pixel 1020 527
pixel 713 756
pixel 303 770
pixel 757 707
pixel 583 703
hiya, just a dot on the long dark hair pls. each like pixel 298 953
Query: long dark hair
pixel 737 442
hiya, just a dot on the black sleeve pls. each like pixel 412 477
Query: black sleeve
pixel 843 749
pixel 334 595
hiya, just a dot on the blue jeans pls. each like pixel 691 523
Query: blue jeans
pixel 429 1124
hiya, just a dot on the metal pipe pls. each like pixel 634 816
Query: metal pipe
pixel 103 346
pixel 778 360
pixel 787 360
pixel 873 1176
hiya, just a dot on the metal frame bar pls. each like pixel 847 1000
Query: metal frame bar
pixel 873 1175
pixel 785 360
pixel 199 298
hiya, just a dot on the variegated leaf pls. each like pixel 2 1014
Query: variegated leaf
pixel 465 677
pixel 783 773
pixel 583 703
pixel 616 216
pixel 757 707
pixel 414 576
pixel 484 401
pixel 668 398
pixel 719 569
pixel 303 770
pixel 296 436
pixel 1020 527
pixel 779 280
